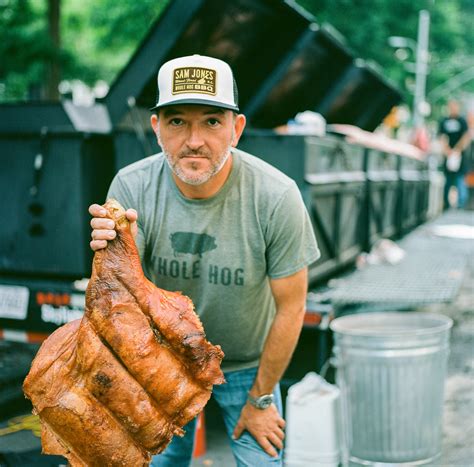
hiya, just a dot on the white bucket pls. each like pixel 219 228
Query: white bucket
pixel 313 430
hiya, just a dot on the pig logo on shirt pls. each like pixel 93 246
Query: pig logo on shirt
pixel 192 243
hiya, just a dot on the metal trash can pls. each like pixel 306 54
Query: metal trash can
pixel 391 368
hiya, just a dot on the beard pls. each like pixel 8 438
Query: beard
pixel 198 177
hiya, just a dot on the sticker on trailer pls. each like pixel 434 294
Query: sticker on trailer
pixel 14 301
pixel 60 315
pixel 78 300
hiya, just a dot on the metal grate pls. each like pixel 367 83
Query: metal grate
pixel 432 270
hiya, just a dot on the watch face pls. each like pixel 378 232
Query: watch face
pixel 261 402
pixel 265 401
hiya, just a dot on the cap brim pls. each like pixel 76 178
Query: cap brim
pixel 198 102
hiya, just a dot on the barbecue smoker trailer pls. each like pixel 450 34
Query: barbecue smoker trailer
pixel 356 193
pixel 54 165
pixel 58 158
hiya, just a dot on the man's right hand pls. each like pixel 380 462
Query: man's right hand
pixel 104 228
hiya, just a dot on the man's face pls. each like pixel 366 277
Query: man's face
pixel 453 108
pixel 196 139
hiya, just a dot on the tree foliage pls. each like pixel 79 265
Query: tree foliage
pixel 97 39
pixel 99 36
pixel 24 48
pixel 367 25
pixel 104 34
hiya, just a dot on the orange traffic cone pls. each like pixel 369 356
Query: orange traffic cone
pixel 200 436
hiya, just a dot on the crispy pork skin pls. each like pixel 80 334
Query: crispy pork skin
pixel 114 387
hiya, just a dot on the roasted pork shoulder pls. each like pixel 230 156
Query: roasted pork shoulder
pixel 114 387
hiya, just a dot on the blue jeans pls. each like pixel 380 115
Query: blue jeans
pixel 230 397
pixel 456 180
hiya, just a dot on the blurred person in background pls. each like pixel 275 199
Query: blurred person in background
pixel 455 137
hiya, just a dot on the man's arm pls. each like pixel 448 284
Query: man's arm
pixel 444 145
pixel 463 142
pixel 266 426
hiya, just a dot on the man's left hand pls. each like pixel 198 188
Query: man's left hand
pixel 266 426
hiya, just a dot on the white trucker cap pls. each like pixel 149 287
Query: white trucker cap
pixel 197 79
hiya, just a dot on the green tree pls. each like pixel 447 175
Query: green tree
pixel 24 48
pixel 367 24
pixel 97 40
pixel 98 37
pixel 102 35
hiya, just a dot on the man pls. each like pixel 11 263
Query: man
pixel 232 233
pixel 455 137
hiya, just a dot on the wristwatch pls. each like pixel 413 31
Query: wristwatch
pixel 262 402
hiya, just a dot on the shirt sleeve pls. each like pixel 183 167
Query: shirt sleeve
pixel 119 191
pixel 291 244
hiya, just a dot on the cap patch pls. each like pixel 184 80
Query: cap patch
pixel 194 79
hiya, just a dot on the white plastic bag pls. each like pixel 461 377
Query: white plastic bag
pixel 454 161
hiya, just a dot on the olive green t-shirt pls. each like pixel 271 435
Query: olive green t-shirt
pixel 221 251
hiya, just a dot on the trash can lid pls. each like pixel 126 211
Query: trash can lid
pixel 391 324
